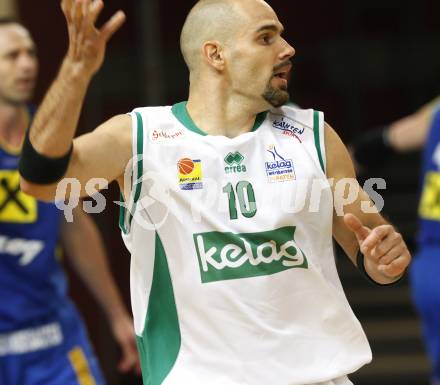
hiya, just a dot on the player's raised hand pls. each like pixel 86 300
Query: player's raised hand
pixel 87 43
pixel 383 247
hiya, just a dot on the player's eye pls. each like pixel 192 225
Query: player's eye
pixel 266 39
pixel 32 52
pixel 12 55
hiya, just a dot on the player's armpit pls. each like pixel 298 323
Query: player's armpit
pixel 103 153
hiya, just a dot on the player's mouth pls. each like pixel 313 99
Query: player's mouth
pixel 282 75
pixel 25 83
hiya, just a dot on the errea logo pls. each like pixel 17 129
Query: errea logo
pixel 224 256
pixel 234 162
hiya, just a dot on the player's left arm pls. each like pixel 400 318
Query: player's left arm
pixel 85 248
pixel 386 255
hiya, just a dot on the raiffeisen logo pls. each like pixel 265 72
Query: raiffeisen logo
pixel 234 163
pixel 279 169
pixel 224 256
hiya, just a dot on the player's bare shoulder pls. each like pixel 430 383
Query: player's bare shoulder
pixel 117 133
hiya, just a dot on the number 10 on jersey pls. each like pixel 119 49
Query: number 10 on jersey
pixel 246 199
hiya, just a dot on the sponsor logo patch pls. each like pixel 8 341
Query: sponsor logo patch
pixel 430 202
pixel 234 163
pixel 279 169
pixel 190 174
pixel 224 256
pixel 15 205
pixel 161 135
pixel 288 128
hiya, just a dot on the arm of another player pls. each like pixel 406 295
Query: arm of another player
pixel 410 133
pixel 373 148
pixel 386 254
pixel 103 153
pixel 82 240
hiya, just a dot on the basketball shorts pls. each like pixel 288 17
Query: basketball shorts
pixel 425 285
pixel 56 352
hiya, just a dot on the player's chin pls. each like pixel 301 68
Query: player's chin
pixel 21 97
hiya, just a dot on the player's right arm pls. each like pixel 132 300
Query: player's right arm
pixel 104 153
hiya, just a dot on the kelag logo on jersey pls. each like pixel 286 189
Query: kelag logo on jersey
pixel 234 162
pixel 279 169
pixel 224 256
pixel 190 174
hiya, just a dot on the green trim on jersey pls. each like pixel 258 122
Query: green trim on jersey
pixel 181 113
pixel 139 152
pixel 122 215
pixel 160 342
pixel 137 184
pixel 316 132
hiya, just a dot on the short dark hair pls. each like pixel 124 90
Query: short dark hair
pixel 10 20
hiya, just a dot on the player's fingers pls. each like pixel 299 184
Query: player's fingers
pixel 376 235
pixel 95 9
pixel 392 254
pixel 355 225
pixel 77 14
pixel 66 6
pixel 391 241
pixel 397 266
pixel 129 357
pixel 85 10
pixel 112 25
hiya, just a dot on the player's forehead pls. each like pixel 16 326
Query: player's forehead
pixel 14 37
pixel 257 16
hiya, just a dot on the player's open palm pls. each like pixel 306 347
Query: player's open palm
pixel 87 43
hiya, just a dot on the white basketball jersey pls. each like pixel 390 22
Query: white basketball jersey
pixel 233 277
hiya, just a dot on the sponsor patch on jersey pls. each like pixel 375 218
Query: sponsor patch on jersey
pixel 234 163
pixel 15 205
pixel 278 169
pixel 190 174
pixel 288 127
pixel 161 135
pixel 430 202
pixel 224 256
pixel 26 249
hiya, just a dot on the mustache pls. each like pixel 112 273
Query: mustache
pixel 283 64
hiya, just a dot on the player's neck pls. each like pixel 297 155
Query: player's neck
pixel 218 114
pixel 13 122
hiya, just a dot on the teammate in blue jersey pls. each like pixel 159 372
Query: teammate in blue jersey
pixel 42 337
pixel 419 130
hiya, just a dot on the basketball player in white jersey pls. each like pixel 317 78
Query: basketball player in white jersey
pixel 233 277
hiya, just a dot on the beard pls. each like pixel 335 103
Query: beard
pixel 276 97
pixel 16 98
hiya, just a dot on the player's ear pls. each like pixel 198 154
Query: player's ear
pixel 214 55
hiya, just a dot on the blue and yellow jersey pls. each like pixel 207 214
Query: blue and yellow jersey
pixel 32 282
pixel 429 209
